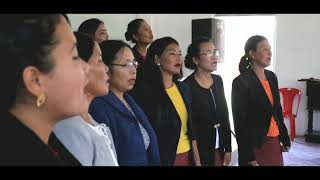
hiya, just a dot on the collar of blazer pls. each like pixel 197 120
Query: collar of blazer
pixel 256 85
pixel 115 102
pixel 185 94
pixel 139 116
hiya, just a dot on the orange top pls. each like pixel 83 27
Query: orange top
pixel 273 128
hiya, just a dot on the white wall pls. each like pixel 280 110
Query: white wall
pixel 297 42
pixel 177 26
pixel 297 54
pixel 116 24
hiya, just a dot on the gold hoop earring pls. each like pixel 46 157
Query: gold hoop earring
pixel 41 99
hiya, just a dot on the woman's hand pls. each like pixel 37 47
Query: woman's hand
pixel 253 163
pixel 198 163
pixel 285 148
pixel 227 158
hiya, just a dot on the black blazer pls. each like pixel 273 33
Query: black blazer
pixel 167 124
pixel 203 126
pixel 252 112
pixel 22 147
pixel 139 88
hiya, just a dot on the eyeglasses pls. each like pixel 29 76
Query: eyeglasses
pixel 210 54
pixel 128 65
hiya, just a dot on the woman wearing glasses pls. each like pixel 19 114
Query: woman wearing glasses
pixel 209 107
pixel 133 136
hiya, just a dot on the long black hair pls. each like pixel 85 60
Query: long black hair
pixel 25 40
pixel 85 45
pixel 153 73
pixel 251 44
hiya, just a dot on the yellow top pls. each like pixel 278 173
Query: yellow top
pixel 177 100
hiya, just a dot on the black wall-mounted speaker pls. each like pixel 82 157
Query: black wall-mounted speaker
pixel 211 28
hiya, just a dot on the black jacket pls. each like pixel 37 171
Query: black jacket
pixel 139 88
pixel 203 122
pixel 167 124
pixel 252 112
pixel 22 147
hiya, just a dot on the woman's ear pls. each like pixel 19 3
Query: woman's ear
pixel 157 60
pixel 33 80
pixel 195 61
pixel 135 37
pixel 251 54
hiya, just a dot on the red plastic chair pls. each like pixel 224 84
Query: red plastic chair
pixel 289 95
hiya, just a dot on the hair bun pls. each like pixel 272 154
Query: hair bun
pixel 127 36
